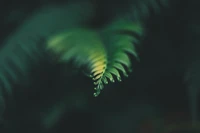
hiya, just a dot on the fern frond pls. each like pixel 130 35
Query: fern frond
pixel 24 48
pixel 140 9
pixel 16 60
pixel 154 4
pixel 124 25
pixel 118 46
pixel 105 53
pixel 82 46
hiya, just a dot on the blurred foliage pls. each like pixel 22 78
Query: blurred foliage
pixel 42 95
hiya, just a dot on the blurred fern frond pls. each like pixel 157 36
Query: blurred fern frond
pixel 103 52
pixel 141 9
pixel 23 48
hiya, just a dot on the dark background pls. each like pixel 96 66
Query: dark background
pixel 154 91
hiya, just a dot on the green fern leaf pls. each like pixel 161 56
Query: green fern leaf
pixel 105 53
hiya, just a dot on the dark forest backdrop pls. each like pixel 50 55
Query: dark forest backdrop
pixel 58 99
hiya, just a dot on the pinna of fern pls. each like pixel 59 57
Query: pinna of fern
pixel 103 52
